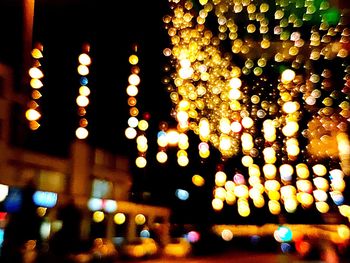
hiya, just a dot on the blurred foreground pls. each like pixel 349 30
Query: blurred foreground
pixel 209 249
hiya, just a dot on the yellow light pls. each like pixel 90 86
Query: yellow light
pixel 302 171
pixel 255 181
pixel 133 122
pixel 98 216
pixel 269 155
pixel 162 141
pixel 220 178
pixel 204 154
pixel 198 180
pixel 35 73
pixel 304 185
pixel 272 185
pixel 36 53
pixel 141 139
pixel 132 90
pixel 259 202
pixel 290 129
pixel 41 211
pixel 185 73
pixel 133 59
pixel 344 210
pixel 182 116
pixel 320 195
pixel 287 76
pixel 162 157
pixel 134 79
pixel 241 191
pixel 305 199
pixel 235 94
pixel 4 190
pixel 321 183
pixel 247 122
pixel 247 160
pixel 84 91
pixel 254 170
pixel 183 160
pixel 270 171
pixel 130 133
pixel 230 198
pixel 254 193
pixel 274 207
pixel 319 169
pixel 226 235
pixel 235 83
pixel 225 143
pixel 82 101
pixel 84 59
pixel 343 232
pixel 140 219
pixel 34 125
pixel 36 83
pixel 220 193
pixel 142 147
pixel 172 137
pixel 274 195
pixel 338 185
pixel 32 115
pixel 141 162
pixel 322 207
pixel 288 191
pixel 290 107
pixel 230 186
pixel 143 125
pixel 204 129
pixel 119 218
pixel 83 70
pixel 293 150
pixel 81 133
pixel 217 204
pixel 290 205
pixel 265 43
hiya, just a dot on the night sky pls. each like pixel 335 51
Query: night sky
pixel 112 28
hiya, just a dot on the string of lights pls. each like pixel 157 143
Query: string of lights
pixel 268 85
pixel 136 128
pixel 82 99
pixel 36 74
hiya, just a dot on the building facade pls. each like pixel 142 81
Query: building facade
pixel 87 174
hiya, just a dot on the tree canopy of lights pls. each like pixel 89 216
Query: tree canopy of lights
pixel 267 83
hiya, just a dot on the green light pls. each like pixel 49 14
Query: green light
pixel 332 16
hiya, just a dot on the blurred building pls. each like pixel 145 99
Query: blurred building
pixel 95 179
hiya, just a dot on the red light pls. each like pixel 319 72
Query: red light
pixel 3 216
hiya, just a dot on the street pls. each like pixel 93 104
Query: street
pixel 238 257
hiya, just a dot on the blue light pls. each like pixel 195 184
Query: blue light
pixel 13 201
pixel 182 194
pixel 84 81
pixel 1 236
pixel 284 233
pixel 161 133
pixel 286 247
pixel 145 233
pixel 45 199
pixel 255 239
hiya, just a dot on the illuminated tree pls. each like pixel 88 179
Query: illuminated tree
pixel 267 85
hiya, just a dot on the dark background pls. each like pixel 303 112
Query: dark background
pixel 112 28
